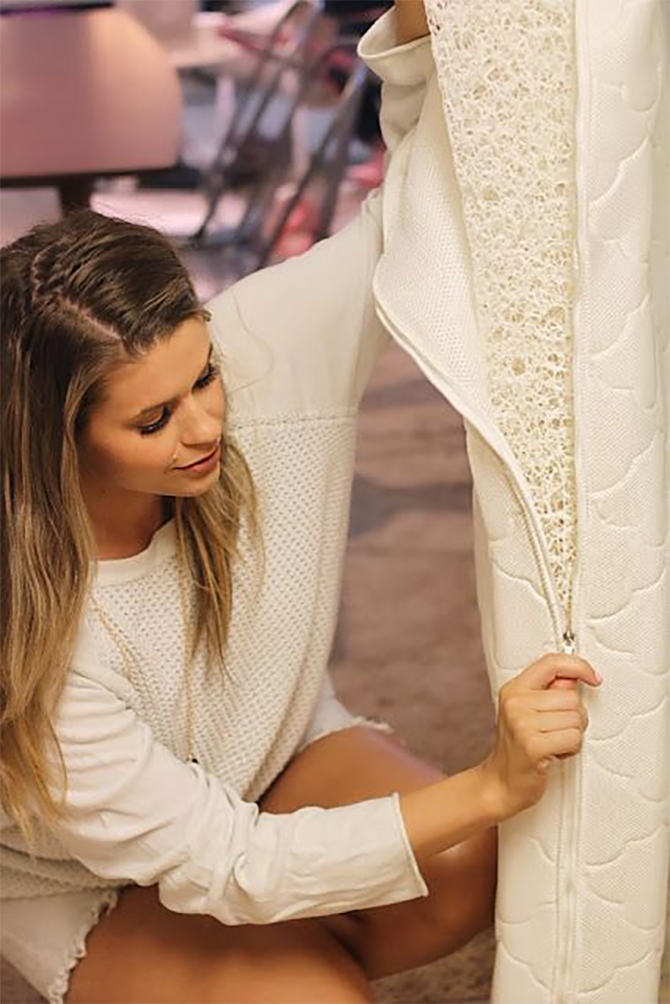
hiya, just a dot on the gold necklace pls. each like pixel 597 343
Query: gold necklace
pixel 124 647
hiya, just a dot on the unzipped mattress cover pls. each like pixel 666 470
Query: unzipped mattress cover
pixel 526 270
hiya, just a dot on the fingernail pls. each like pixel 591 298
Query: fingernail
pixel 598 677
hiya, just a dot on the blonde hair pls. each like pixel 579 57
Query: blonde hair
pixel 77 297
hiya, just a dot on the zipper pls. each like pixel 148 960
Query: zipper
pixel 570 776
pixel 566 643
pixel 564 982
pixel 570 770
pixel 564 634
pixel 561 617
pixel 563 992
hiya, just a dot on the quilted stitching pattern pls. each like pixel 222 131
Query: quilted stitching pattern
pixel 590 862
pixel 516 628
pixel 623 851
pixel 604 884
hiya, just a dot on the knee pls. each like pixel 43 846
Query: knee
pixel 463 889
pixel 294 963
pixel 481 869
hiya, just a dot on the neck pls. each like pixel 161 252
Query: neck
pixel 123 522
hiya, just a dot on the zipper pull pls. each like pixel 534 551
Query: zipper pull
pixel 568 643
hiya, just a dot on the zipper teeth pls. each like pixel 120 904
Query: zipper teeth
pixel 575 781
pixel 567 826
pixel 508 464
pixel 569 823
pixel 565 978
pixel 564 902
pixel 561 630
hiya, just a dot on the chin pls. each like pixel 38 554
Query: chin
pixel 196 488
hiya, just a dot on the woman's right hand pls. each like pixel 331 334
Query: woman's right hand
pixel 541 717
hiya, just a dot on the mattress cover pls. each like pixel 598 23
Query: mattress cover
pixel 536 222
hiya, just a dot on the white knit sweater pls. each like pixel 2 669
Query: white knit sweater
pixel 298 342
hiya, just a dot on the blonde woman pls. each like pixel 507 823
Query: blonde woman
pixel 189 815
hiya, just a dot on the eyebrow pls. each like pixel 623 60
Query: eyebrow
pixel 163 404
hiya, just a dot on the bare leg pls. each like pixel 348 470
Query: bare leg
pixel 360 763
pixel 142 953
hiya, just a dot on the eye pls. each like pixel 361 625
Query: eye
pixel 160 423
pixel 207 376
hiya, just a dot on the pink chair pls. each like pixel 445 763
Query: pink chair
pixel 83 94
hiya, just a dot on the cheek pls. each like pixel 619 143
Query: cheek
pixel 127 457
pixel 147 455
pixel 217 400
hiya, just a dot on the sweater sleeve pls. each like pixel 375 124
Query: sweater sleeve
pixel 404 71
pixel 135 813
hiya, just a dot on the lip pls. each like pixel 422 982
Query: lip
pixel 206 464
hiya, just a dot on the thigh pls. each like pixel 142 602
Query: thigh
pixel 142 953
pixel 346 767
pixel 361 763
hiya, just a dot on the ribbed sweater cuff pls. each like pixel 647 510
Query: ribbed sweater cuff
pixel 410 63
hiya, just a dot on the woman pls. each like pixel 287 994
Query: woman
pixel 188 813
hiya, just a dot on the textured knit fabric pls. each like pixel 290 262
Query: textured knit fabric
pixel 136 813
pixel 298 342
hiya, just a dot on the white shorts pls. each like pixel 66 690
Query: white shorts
pixel 45 936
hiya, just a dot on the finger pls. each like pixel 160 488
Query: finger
pixel 565 742
pixel 556 699
pixel 540 675
pixel 560 721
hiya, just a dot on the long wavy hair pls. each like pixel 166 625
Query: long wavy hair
pixel 78 297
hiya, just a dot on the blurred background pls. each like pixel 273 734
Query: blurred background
pixel 246 131
pixel 237 125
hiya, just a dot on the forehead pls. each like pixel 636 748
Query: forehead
pixel 167 371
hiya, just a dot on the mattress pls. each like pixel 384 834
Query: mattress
pixel 526 270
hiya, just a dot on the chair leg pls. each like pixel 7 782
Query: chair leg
pixel 275 64
pixel 74 192
pixel 332 168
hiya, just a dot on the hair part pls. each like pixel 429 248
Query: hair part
pixel 77 298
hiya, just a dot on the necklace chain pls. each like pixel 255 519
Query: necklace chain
pixel 125 650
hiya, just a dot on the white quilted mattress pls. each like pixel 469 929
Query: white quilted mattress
pixel 559 122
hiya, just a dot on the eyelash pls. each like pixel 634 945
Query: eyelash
pixel 160 423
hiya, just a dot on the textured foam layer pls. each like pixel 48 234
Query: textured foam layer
pixel 505 69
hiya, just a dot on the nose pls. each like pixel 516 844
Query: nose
pixel 200 426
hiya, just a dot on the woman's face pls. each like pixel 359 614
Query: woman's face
pixel 158 429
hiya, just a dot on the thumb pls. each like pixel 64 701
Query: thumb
pixel 556 666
